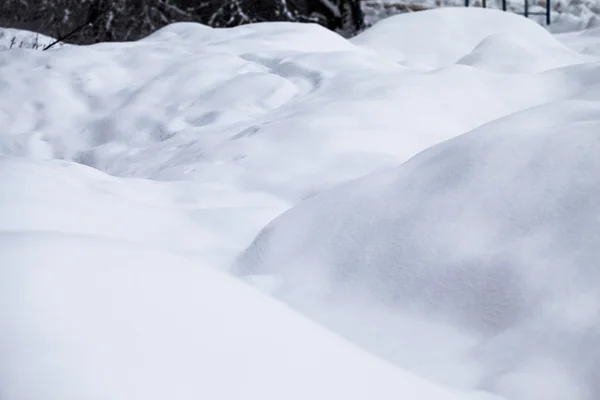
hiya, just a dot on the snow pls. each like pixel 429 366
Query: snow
pixel 172 216
pixel 509 53
pixel 445 34
pixel 493 233
pixel 166 121
pixel 584 42
pixel 416 205
pixel 565 15
pixel 98 318
pixel 16 38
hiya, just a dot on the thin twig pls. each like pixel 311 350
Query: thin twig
pixel 91 19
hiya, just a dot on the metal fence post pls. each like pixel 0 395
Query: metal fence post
pixel 548 11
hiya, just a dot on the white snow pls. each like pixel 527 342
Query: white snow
pixel 425 190
pixel 565 15
pixel 440 37
pixel 509 53
pixel 15 38
pixel 90 318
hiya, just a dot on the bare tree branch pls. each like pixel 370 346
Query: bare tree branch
pixel 93 15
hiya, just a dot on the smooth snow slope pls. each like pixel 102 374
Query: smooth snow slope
pixel 209 222
pixel 494 232
pixel 90 318
pixel 206 136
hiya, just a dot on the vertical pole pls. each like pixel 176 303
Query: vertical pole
pixel 527 8
pixel 484 3
pixel 466 3
pixel 503 5
pixel 548 11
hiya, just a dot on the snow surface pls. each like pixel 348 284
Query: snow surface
pixel 135 175
pixel 16 38
pixel 494 232
pixel 565 15
pixel 90 318
pixel 446 34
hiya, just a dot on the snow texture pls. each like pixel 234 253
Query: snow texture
pixel 493 232
pixel 15 38
pixel 101 319
pixel 420 201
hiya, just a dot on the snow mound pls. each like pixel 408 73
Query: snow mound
pixel 494 232
pixel 245 106
pixel 436 38
pixel 585 42
pixel 512 54
pixel 208 223
pixel 258 37
pixel 450 265
pixel 89 318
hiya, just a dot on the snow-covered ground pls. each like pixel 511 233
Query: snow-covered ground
pixel 565 15
pixel 15 38
pixel 412 213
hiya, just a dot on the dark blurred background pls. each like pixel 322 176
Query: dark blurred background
pixel 124 20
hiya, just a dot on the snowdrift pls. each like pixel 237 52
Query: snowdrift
pixel 495 232
pixel 248 106
pixel 86 318
pixel 437 38
pixel 511 54
pixel 130 171
pixel 103 296
pixel 209 223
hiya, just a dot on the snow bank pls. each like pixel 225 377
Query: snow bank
pixel 248 106
pixel 494 232
pixel 436 38
pixel 566 15
pixel 209 223
pixel 511 54
pixel 84 318
pixel 450 265
pixel 585 42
